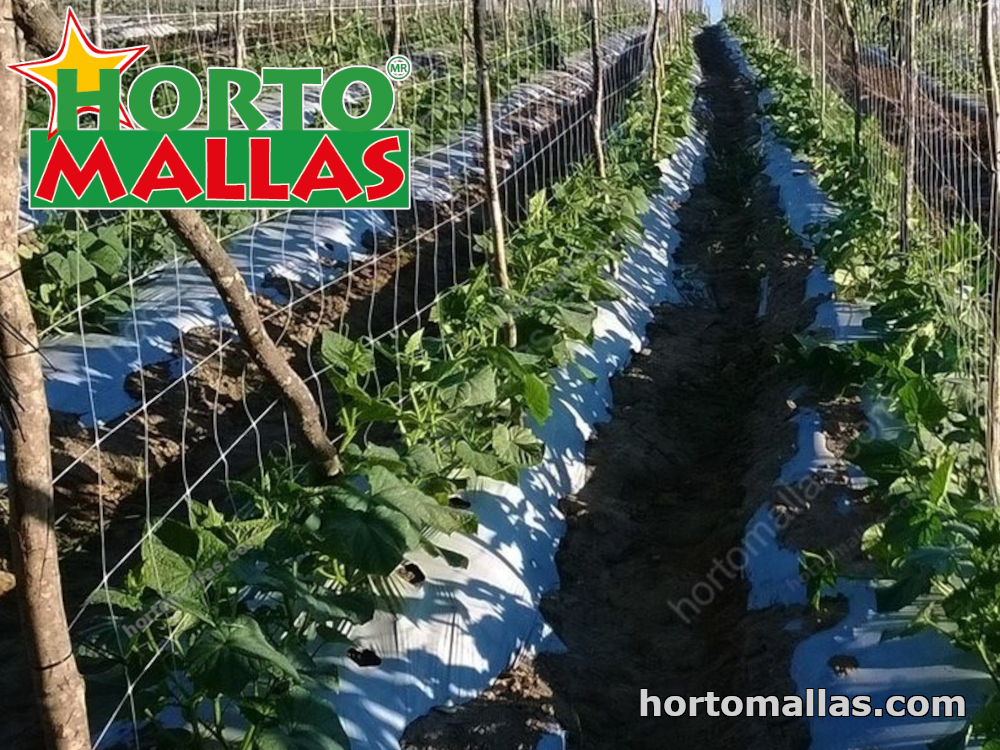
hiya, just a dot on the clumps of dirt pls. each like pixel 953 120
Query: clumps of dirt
pixel 511 715
pixel 652 595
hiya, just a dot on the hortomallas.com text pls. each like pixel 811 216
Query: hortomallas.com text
pixel 815 702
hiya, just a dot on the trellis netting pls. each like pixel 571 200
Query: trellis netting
pixel 920 145
pixel 154 402
pixel 950 169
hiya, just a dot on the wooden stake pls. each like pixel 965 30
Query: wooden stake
pixel 597 114
pixel 989 62
pixel 24 415
pixel 852 35
pixel 909 73
pixel 239 35
pixel 96 25
pixel 500 273
pixel 654 54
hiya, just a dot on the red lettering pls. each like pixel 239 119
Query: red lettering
pixel 98 164
pixel 392 174
pixel 340 177
pixel 261 187
pixel 179 176
pixel 217 189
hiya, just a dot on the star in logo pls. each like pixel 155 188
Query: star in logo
pixel 76 52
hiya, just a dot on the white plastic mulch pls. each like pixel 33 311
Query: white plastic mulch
pixel 86 374
pixel 461 628
pixel 924 664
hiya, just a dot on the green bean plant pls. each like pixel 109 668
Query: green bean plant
pixel 245 657
pixel 938 540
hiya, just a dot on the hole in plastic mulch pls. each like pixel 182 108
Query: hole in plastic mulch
pixel 412 573
pixel 364 657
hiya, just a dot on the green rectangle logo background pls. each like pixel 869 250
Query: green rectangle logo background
pixel 290 152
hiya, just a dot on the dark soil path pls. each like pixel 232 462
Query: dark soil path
pixel 652 597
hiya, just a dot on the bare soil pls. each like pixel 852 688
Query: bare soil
pixel 220 422
pixel 649 599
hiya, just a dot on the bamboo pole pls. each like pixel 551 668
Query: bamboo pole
pixel 989 62
pixel 501 276
pixel 24 414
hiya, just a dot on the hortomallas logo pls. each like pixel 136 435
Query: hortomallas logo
pixel 146 152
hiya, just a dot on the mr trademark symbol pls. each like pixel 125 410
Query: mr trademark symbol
pixel 398 68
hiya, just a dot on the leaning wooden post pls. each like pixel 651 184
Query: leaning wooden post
pixel 654 54
pixel 41 26
pixel 24 414
pixel 597 101
pixel 500 274
pixel 909 73
pixel 989 62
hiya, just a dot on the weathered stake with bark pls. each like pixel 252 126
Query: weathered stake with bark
pixel 909 72
pixel 24 414
pixel 242 308
pixel 597 114
pixel 989 61
pixel 42 27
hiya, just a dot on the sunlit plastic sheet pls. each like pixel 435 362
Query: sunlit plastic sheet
pixel 86 374
pixel 924 664
pixel 458 629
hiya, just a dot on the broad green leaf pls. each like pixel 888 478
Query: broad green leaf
pixel 940 479
pixel 536 395
pixel 163 570
pixel 372 541
pixel 516 446
pixel 341 352
pixel 305 722
pixel 106 260
pixel 481 463
pixel 480 389
pixel 234 654
pixel 413 343
pixel 904 591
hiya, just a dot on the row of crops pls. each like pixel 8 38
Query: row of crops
pixel 938 541
pixel 82 268
pixel 227 628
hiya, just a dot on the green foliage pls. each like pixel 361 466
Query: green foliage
pixel 454 386
pixel 819 570
pixel 78 267
pixel 247 639
pixel 940 537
